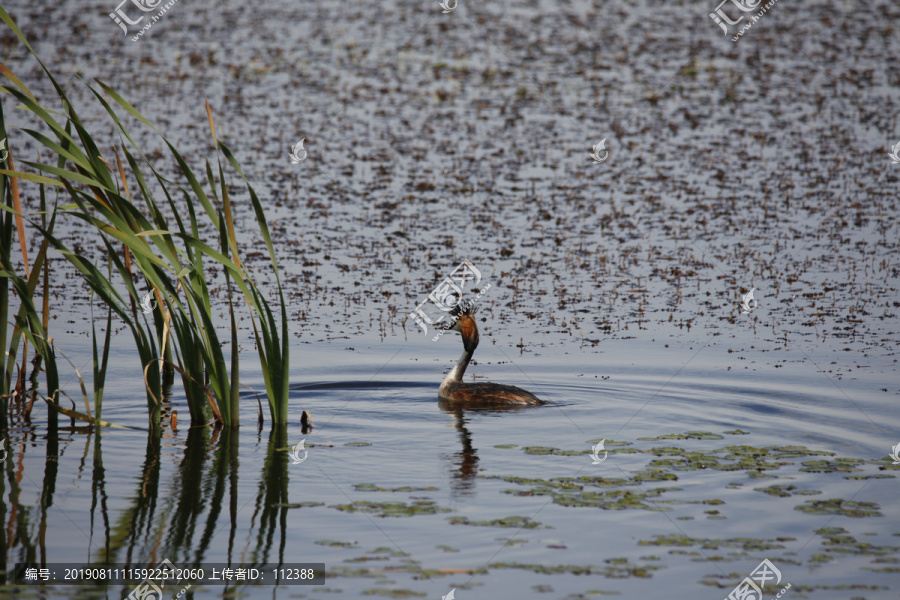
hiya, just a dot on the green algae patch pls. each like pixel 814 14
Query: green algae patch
pixel 653 475
pixel 688 461
pixel 513 522
pixel 393 509
pixel 569 491
pixel 299 504
pixel 736 432
pixel 506 446
pixel 687 435
pixel 335 544
pixel 601 482
pixel 837 506
pixel 612 499
pixel 444 548
pixel 786 491
pixel 747 544
pixel 369 487
pixel 837 465
pixel 512 541
pixel 388 551
pixel 615 568
pixel 557 483
pixel 393 593
pixel 546 450
pixel 839 541
pixel 358 444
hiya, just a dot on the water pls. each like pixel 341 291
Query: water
pixel 383 395
pixel 614 295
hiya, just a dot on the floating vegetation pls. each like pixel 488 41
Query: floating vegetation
pixel 358 444
pixel 394 593
pixel 569 491
pixel 786 491
pixel 687 435
pixel 608 442
pixel 836 506
pixel 748 544
pixel 369 487
pixel 653 475
pixel 393 509
pixel 541 485
pixel 618 568
pixel 838 465
pixel 736 432
pixel 299 504
pixel 613 499
pixel 512 541
pixel 543 450
pixel 506 446
pixel 839 541
pixel 335 544
pixel 444 548
pixel 514 522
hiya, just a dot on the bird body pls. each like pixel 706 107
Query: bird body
pixel 454 389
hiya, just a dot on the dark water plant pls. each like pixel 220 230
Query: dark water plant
pixel 171 258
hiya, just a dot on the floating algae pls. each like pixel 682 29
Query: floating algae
pixel 545 450
pixel 613 499
pixel 299 504
pixel 514 521
pixel 837 506
pixel 369 487
pixel 393 509
pixel 786 491
pixel 618 568
pixel 747 544
pixel 838 541
pixel 335 544
pixel 687 435
pixel 393 593
pixel 838 465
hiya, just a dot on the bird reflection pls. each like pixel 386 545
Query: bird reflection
pixel 464 464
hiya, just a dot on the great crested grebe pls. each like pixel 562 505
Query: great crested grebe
pixel 453 388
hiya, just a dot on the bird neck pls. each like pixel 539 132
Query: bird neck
pixel 456 375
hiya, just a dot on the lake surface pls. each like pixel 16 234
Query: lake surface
pixel 615 293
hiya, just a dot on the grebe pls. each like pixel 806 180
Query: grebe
pixel 453 388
